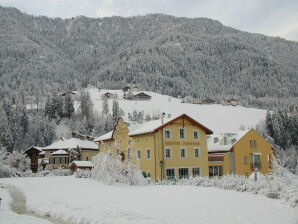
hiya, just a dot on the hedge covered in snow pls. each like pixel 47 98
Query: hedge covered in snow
pixel 279 184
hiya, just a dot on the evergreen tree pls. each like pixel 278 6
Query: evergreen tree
pixel 68 107
pixel 115 109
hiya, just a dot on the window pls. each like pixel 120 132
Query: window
pixel 129 153
pixel 167 133
pixel 197 152
pixel 62 160
pixel 244 160
pixel 138 154
pixel 253 144
pixel 168 153
pixel 215 171
pixel 183 153
pixel 129 142
pixel 195 135
pixel 148 153
pixel 196 172
pixel 183 173
pixel 256 161
pixel 182 133
pixel 170 174
pixel 147 139
pixel 87 158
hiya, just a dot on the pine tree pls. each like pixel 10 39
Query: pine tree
pixel 115 109
pixel 68 107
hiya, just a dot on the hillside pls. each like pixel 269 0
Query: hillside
pixel 218 118
pixel 161 53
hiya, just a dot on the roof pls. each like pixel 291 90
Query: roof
pixel 33 147
pixel 152 126
pixel 142 95
pixel 82 163
pixel 60 152
pixel 220 145
pixel 42 153
pixel 106 136
pixel 72 143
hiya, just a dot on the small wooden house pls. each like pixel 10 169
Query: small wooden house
pixel 108 95
pixel 142 96
pixel 232 101
pixel 33 153
pixel 126 89
pixel 83 165
pixel 207 101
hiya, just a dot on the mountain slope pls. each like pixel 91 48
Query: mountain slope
pixel 175 56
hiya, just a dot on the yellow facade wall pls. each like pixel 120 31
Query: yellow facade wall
pixel 242 148
pixel 157 143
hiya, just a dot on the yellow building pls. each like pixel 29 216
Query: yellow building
pixel 172 148
pixel 58 154
pixel 238 153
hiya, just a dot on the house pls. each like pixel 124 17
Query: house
pixel 239 153
pixel 232 102
pixel 207 101
pixel 63 151
pixel 82 165
pixel 142 96
pixel 34 154
pixel 172 148
pixel 196 100
pixel 69 93
pixel 108 95
pixel 126 89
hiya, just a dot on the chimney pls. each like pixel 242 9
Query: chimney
pixel 162 117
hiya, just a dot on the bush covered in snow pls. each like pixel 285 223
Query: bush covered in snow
pixel 279 184
pixel 83 173
pixel 13 164
pixel 111 170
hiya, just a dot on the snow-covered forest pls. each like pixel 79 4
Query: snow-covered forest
pixel 174 56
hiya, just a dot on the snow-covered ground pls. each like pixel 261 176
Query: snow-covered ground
pixel 217 117
pixel 89 201
pixel 7 216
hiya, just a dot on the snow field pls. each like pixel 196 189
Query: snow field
pixel 219 118
pixel 89 201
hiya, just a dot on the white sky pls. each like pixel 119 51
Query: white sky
pixel 270 17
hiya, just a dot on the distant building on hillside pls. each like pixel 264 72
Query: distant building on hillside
pixel 232 101
pixel 207 101
pixel 126 89
pixel 142 96
pixel 108 95
pixel 69 93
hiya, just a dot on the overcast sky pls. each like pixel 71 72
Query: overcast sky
pixel 270 17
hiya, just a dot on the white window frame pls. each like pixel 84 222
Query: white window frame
pixel 169 130
pixel 179 173
pixel 199 169
pixel 194 152
pixel 148 150
pixel 170 168
pixel 183 132
pixel 185 152
pixel 138 152
pixel 198 134
pixel 166 153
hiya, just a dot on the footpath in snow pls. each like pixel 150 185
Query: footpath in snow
pixel 88 201
pixel 7 216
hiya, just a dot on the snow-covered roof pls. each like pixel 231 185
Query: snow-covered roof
pixel 223 142
pixel 60 152
pixel 149 127
pixel 72 143
pixel 106 136
pixel 42 153
pixel 33 147
pixel 82 163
